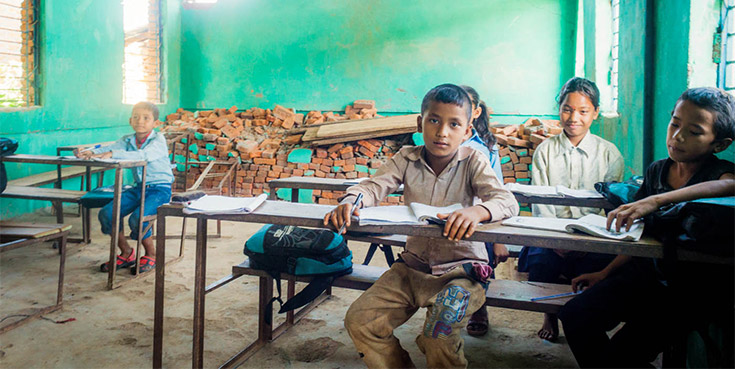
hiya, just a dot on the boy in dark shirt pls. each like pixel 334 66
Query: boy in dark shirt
pixel 702 124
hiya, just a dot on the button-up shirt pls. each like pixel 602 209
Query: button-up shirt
pixel 154 150
pixel 477 143
pixel 557 162
pixel 467 176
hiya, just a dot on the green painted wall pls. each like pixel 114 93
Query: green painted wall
pixel 325 54
pixel 81 56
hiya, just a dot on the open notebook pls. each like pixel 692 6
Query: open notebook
pixel 416 213
pixel 211 204
pixel 591 224
pixel 550 191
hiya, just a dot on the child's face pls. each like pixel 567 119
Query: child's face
pixel 445 127
pixel 142 121
pixel 690 136
pixel 576 114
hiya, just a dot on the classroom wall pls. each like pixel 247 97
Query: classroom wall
pixel 328 53
pixel 81 56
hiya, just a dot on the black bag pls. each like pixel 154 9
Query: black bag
pixel 300 251
pixel 7 147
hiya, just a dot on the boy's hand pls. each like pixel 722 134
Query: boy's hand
pixel 587 280
pixel 83 154
pixel 104 155
pixel 461 223
pixel 628 213
pixel 341 215
pixel 501 253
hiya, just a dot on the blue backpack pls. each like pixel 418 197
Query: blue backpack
pixel 318 253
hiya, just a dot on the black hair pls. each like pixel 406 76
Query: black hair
pixel 583 86
pixel 147 106
pixel 482 122
pixel 719 103
pixel 448 94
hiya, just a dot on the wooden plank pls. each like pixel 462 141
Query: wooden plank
pixel 362 126
pixel 46 194
pixel 61 160
pixel 62 227
pixel 44 178
pixel 365 136
pixel 27 232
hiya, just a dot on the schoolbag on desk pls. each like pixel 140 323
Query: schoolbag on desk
pixel 319 253
pixel 7 147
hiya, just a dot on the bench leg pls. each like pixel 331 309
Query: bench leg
pixel 388 251
pixel 62 261
pixel 59 210
pixel 265 330
pixel 370 253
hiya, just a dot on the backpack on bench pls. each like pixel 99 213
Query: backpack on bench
pixel 298 251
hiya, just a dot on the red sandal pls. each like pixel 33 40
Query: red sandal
pixel 121 263
pixel 147 264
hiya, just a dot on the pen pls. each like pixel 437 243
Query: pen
pixel 97 146
pixel 556 296
pixel 352 208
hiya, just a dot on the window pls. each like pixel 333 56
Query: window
pixel 614 53
pixel 142 79
pixel 726 56
pixel 18 56
pixel 199 4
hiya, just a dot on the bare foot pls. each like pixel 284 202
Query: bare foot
pixel 550 330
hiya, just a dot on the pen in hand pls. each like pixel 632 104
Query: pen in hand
pixel 91 148
pixel 352 209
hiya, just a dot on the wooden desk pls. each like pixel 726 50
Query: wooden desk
pixel 310 215
pixel 88 174
pixel 332 184
pixel 16 235
pixel 118 166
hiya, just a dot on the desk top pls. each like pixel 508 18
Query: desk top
pixel 60 160
pixel 81 146
pixel 312 215
pixel 333 184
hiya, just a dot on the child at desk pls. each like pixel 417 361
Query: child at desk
pixel 484 141
pixel 149 145
pixel 576 159
pixel 635 291
pixel 447 276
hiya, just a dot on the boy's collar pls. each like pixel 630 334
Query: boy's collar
pixel 133 139
pixel 417 153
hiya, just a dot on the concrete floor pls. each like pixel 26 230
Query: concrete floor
pixel 114 329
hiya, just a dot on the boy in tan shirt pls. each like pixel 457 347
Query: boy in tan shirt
pixel 447 276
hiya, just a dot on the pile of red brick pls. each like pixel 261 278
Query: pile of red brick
pixel 259 143
pixel 517 144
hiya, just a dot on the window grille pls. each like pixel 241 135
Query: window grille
pixel 18 53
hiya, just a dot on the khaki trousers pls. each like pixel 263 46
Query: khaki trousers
pixel 395 297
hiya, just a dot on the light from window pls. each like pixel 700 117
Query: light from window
pixel 142 63
pixel 727 60
pixel 614 53
pixel 17 53
pixel 199 4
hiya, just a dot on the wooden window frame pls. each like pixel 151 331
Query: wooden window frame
pixel 29 56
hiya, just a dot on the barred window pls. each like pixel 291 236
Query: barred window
pixel 726 57
pixel 142 77
pixel 18 53
pixel 614 53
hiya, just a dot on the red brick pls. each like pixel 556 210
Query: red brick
pixel 347 155
pixel 270 154
pixel 365 151
pixel 321 153
pixel 351 161
pixel 264 161
pixel 297 172
pixel 361 161
pixel 375 164
pixel 317 160
pixel 348 168
pixel 325 168
pixel 364 104
pixel 351 175
pixel 339 163
pixel 313 166
pixel 345 150
pixel 526 160
pixel 319 173
pixel 278 168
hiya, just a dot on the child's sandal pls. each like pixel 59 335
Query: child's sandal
pixel 120 263
pixel 146 265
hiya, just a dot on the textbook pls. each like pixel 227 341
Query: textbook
pixel 416 213
pixel 591 224
pixel 211 204
pixel 550 191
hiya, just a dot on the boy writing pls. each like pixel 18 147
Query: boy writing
pixel 445 276
pixel 636 291
pixel 149 145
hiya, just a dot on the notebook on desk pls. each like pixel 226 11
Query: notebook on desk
pixel 212 204
pixel 416 213
pixel 592 224
pixel 551 191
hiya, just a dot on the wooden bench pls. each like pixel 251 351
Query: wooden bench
pixel 57 197
pixel 45 178
pixel 15 235
pixel 501 293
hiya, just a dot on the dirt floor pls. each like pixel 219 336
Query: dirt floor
pixel 114 329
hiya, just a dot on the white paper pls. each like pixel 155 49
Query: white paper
pixel 551 191
pixel 225 204
pixel 592 224
pixel 417 213
pixel 424 212
pixel 568 192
